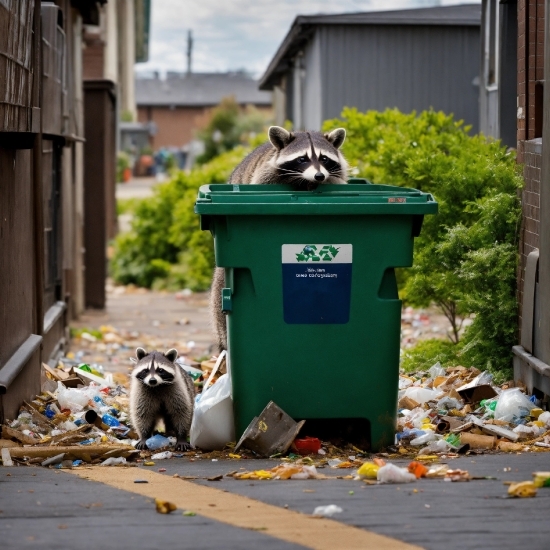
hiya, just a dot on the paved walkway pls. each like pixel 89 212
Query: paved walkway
pixel 91 508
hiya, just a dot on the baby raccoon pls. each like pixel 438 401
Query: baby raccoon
pixel 161 389
pixel 303 159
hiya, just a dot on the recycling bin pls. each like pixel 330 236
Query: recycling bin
pixel 313 313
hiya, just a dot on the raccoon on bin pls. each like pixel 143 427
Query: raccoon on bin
pixel 303 159
pixel 161 389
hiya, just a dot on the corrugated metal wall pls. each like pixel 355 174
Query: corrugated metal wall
pixel 408 67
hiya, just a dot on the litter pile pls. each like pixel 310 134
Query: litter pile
pixel 80 416
pixel 459 410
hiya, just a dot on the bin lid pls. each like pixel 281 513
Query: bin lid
pixel 358 196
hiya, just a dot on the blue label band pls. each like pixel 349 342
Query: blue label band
pixel 316 283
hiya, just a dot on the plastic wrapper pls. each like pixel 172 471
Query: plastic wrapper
pixel 75 399
pixel 393 474
pixel 437 446
pixel 112 461
pixel 162 456
pixel 527 432
pixel 512 405
pixel 436 370
pixel 421 395
pixel 425 438
pixel 545 418
pixel 328 510
pixel 212 427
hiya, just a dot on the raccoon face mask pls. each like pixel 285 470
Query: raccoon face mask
pixel 309 157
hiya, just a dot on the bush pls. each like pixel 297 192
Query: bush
pixel 427 353
pixel 166 248
pixel 465 258
pixel 229 127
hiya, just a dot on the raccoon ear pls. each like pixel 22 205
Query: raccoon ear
pixel 336 137
pixel 140 353
pixel 279 137
pixel 171 354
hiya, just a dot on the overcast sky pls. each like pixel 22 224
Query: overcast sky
pixel 239 34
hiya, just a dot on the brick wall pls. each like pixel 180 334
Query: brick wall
pixel 177 126
pixel 529 125
pixel 93 57
pixel 530 70
pixel 530 205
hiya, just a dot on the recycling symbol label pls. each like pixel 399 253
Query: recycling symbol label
pixel 316 283
pixel 311 252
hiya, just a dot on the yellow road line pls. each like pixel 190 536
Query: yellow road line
pixel 244 512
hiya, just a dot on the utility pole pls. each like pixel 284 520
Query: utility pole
pixel 189 50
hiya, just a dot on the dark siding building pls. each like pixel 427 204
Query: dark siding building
pixel 409 59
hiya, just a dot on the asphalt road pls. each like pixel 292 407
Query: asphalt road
pixel 46 508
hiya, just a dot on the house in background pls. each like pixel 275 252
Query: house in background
pixel 410 59
pixel 177 107
pixel 498 75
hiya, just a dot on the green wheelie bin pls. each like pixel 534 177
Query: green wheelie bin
pixel 313 312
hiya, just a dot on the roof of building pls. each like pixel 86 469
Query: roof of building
pixel 304 25
pixel 199 89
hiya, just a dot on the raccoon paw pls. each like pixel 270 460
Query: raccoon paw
pixel 183 446
pixel 141 445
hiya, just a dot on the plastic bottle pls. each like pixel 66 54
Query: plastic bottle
pixel 157 442
pixel 110 420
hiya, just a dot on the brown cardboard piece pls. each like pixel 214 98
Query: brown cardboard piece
pixel 270 433
pixel 477 441
pixel 475 394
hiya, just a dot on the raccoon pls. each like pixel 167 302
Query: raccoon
pixel 303 159
pixel 161 389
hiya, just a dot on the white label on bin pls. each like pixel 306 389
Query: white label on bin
pixel 317 283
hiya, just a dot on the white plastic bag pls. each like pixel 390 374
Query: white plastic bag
pixel 436 446
pixel 545 417
pixel 430 435
pixel 328 510
pixel 390 473
pixel 421 395
pixel 436 370
pixel 72 398
pixel 212 427
pixel 512 403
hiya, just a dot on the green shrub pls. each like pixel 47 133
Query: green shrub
pixel 427 353
pixel 166 248
pixel 122 162
pixel 465 258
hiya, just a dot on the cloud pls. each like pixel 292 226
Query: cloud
pixel 238 34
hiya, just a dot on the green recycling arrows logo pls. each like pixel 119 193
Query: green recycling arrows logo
pixel 327 253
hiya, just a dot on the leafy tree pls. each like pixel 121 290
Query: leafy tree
pixel 230 126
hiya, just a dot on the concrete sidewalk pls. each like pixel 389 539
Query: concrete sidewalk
pixel 52 509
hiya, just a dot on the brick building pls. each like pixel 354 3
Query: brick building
pixel 530 82
pixel 532 356
pixel 177 107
